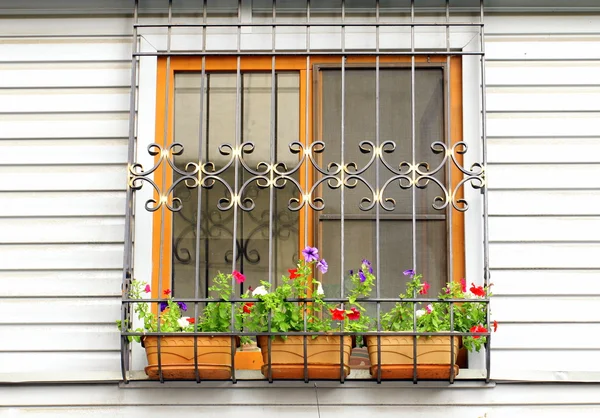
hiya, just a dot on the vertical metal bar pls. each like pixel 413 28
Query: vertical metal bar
pixel 164 184
pixel 342 174
pixel 377 179
pixel 237 155
pixel 199 202
pixel 486 239
pixel 449 209
pixel 307 104
pixel 413 148
pixel 452 343
pixel 128 253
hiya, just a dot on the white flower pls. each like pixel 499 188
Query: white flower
pixel 183 321
pixel 259 291
pixel 420 313
pixel 320 290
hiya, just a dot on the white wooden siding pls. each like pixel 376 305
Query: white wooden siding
pixel 64 104
pixel 544 132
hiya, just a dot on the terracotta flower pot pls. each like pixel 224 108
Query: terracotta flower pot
pixel 177 357
pixel 287 357
pixel 433 356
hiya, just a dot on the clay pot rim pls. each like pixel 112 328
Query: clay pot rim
pixel 183 334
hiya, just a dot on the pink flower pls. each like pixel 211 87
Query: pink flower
pixel 424 289
pixel 463 285
pixel 239 277
pixel 147 289
pixel 429 308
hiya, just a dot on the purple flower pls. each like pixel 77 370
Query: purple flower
pixel 362 276
pixel 409 272
pixel 351 272
pixel 322 266
pixel 366 262
pixel 182 306
pixel 310 254
pixel 163 306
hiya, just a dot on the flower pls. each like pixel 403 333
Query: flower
pixel 495 325
pixel 293 273
pixel 424 289
pixel 248 306
pixel 322 266
pixel 367 265
pixel 362 276
pixel 420 313
pixel 163 306
pixel 239 277
pixel 320 290
pixel 182 306
pixel 259 291
pixel 478 328
pixel 167 292
pixel 147 289
pixel 353 314
pixel 337 314
pixel 351 272
pixel 429 308
pixel 183 321
pixel 463 285
pixel 310 254
pixel 477 290
pixel 191 320
pixel 409 272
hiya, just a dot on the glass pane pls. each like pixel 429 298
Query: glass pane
pixel 217 226
pixel 396 235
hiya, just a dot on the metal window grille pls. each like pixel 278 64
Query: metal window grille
pixel 396 29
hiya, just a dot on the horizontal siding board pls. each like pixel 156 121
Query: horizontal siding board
pixel 524 229
pixel 543 124
pixel 61 178
pixel 542 73
pixel 547 99
pixel 544 360
pixel 547 176
pixel 61 283
pixel 62 230
pixel 540 282
pixel 61 257
pixel 35 204
pixel 57 362
pixel 102 125
pixel 543 202
pixel 542 47
pixel 60 338
pixel 65 75
pixel 547 336
pixel 543 150
pixel 60 311
pixel 545 309
pixel 65 49
pixel 544 255
pixel 61 100
pixel 57 151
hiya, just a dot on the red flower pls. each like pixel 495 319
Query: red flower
pixel 167 292
pixel 337 314
pixel 463 285
pixel 424 289
pixel 495 325
pixel 248 306
pixel 293 273
pixel 353 315
pixel 478 328
pixel 239 277
pixel 191 320
pixel 477 290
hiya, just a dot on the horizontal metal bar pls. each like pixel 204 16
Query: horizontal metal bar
pixel 383 217
pixel 306 333
pixel 337 300
pixel 307 24
pixel 303 53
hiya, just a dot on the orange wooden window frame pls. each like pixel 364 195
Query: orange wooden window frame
pixel 164 134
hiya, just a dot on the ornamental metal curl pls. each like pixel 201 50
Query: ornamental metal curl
pixel 334 175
